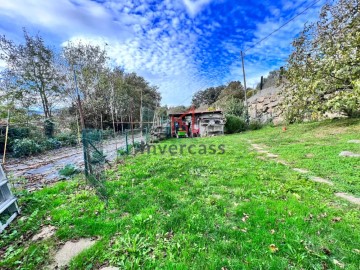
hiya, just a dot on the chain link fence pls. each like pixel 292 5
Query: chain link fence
pixel 94 160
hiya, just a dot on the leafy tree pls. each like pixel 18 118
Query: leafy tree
pixel 32 72
pixel 207 96
pixel 179 109
pixel 271 80
pixel 88 63
pixel 323 70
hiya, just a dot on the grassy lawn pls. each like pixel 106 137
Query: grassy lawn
pixel 316 146
pixel 206 211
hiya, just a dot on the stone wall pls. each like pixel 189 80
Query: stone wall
pixel 264 107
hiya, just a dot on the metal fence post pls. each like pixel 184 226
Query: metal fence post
pixel 146 135
pixel 126 142
pixel 84 141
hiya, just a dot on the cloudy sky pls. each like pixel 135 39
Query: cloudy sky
pixel 181 46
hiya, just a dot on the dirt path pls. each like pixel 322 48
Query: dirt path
pixel 261 150
pixel 43 169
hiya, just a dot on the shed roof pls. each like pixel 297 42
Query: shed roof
pixel 196 113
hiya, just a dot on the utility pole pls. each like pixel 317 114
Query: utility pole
pixel 245 98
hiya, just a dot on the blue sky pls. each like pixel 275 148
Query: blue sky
pixel 180 45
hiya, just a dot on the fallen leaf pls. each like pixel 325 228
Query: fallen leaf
pixel 245 217
pixel 272 231
pixel 169 235
pixel 273 248
pixel 337 263
pixel 356 250
pixel 326 251
pixel 244 230
pixel 336 219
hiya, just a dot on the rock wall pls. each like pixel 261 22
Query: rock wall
pixel 263 106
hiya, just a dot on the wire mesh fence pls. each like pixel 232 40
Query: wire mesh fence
pixel 94 160
pixel 136 140
pixel 132 142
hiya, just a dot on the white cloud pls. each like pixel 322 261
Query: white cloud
pixel 64 16
pixel 2 64
pixel 170 47
pixel 195 6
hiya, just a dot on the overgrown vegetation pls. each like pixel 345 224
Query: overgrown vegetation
pixel 68 170
pixel 323 70
pixel 25 147
pixel 41 77
pixel 213 211
pixel 234 124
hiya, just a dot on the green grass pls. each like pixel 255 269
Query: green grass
pixel 213 211
pixel 316 146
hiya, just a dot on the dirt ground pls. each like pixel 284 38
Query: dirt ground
pixel 34 172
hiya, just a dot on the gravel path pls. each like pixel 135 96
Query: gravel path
pixel 37 171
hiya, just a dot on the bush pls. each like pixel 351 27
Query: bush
pixel 234 124
pixel 25 147
pixel 49 128
pixel 51 144
pixel 97 157
pixel 108 133
pixel 69 170
pixel 93 135
pixel 121 151
pixel 255 125
pixel 14 133
pixel 67 139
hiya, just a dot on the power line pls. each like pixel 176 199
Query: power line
pixel 293 18
pixel 252 46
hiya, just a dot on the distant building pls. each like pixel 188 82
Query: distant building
pixel 197 123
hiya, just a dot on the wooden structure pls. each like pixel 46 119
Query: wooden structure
pixel 197 123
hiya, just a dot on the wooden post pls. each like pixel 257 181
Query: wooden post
pixel 78 129
pixel 6 136
pixel 246 104
pixel 82 122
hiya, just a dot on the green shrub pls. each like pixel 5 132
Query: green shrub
pixel 121 151
pixel 19 132
pixel 49 128
pixel 255 125
pixel 51 144
pixel 97 157
pixel 108 133
pixel 25 147
pixel 234 124
pixel 69 170
pixel 14 134
pixel 94 135
pixel 67 139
